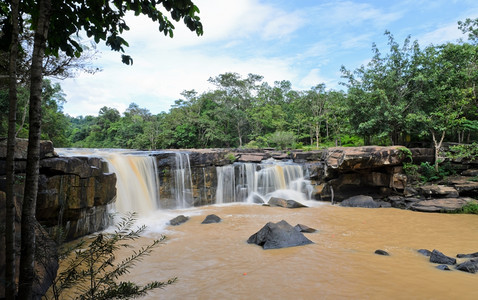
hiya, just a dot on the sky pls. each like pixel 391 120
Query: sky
pixel 304 41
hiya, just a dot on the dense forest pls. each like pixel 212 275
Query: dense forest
pixel 408 95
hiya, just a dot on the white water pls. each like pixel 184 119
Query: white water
pixel 272 179
pixel 183 181
pixel 136 178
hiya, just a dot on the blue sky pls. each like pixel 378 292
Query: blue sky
pixel 303 41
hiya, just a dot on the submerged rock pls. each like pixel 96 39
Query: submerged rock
pixel 178 220
pixel 278 235
pixel 360 201
pixel 424 252
pixel 304 228
pixel 471 255
pixel 382 252
pixel 284 203
pixel 470 266
pixel 211 219
pixel 443 267
pixel 440 258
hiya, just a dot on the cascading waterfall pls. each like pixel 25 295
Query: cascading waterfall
pixel 183 192
pixel 265 180
pixel 137 182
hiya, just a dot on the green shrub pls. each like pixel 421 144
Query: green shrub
pixel 470 208
pixel 91 271
pixel 464 151
pixel 282 139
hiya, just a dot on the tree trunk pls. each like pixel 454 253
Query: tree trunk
pixel 437 145
pixel 10 286
pixel 27 253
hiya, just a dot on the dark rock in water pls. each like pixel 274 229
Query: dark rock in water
pixel 424 252
pixel 284 203
pixel 178 220
pixel 381 252
pixel 211 219
pixel 443 267
pixel 304 228
pixel 257 199
pixel 470 266
pixel 278 235
pixel 440 258
pixel 471 255
pixel 360 201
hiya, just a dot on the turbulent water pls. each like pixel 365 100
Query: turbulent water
pixel 213 261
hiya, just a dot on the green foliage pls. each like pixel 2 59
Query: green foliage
pixel 464 151
pixel 429 173
pixel 231 157
pixel 405 154
pixel 470 208
pixel 282 139
pixel 92 273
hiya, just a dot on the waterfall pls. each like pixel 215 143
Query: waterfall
pixel 183 192
pixel 244 182
pixel 137 182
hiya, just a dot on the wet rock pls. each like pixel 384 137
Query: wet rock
pixel 381 252
pixel 211 219
pixel 178 220
pixel 253 158
pixel 360 201
pixel 424 252
pixel 439 191
pixel 440 258
pixel 278 235
pixel 304 228
pixel 443 267
pixel 274 201
pixel 257 199
pixel 471 255
pixel 440 205
pixel 470 266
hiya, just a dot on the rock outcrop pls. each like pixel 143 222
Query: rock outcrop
pixel 73 192
pixel 278 235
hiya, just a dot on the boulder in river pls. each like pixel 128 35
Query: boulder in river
pixel 274 201
pixel 382 252
pixel 470 266
pixel 443 267
pixel 304 228
pixel 440 258
pixel 471 255
pixel 178 220
pixel 360 201
pixel 278 235
pixel 211 219
pixel 425 252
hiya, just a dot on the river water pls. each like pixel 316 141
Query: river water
pixel 214 261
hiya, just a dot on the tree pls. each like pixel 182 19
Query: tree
pixel 379 95
pixel 447 79
pixel 10 286
pixel 102 21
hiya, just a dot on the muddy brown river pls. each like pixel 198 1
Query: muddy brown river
pixel 214 261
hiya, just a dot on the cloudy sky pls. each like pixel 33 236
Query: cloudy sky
pixel 303 41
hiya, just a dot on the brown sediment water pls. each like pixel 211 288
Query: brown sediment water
pixel 214 261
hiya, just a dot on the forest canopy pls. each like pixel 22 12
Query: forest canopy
pixel 407 95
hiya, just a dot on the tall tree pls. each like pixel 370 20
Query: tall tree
pixel 10 212
pixel 102 20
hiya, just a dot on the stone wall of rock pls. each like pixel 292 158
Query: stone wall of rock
pixel 73 192
pixel 336 173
